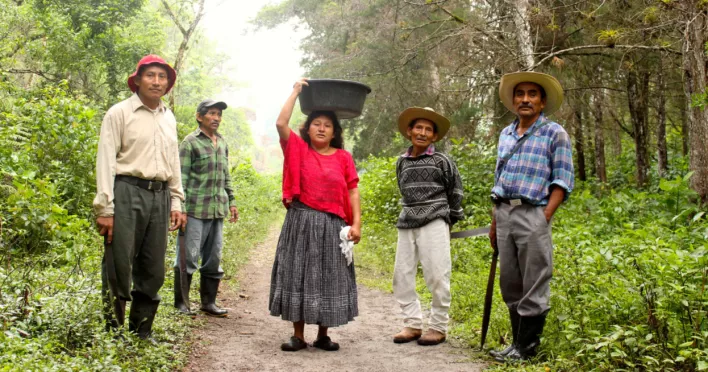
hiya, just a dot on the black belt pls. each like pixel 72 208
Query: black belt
pixel 143 184
pixel 498 200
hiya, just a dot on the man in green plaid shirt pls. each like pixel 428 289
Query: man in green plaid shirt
pixel 209 198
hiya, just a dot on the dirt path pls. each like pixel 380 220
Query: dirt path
pixel 249 340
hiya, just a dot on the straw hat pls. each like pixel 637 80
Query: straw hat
pixel 412 113
pixel 554 91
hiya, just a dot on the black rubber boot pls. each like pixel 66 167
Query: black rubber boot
pixel 528 339
pixel 142 313
pixel 514 317
pixel 108 315
pixel 182 303
pixel 207 291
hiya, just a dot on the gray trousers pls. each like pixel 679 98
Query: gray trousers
pixel 140 223
pixel 205 238
pixel 525 257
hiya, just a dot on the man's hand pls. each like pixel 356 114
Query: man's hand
pixel 176 220
pixel 354 234
pixel 105 227
pixel 184 220
pixel 493 234
pixel 234 214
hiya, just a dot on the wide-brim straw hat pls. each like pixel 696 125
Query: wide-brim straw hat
pixel 553 88
pixel 413 113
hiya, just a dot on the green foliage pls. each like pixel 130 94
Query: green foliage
pixel 629 269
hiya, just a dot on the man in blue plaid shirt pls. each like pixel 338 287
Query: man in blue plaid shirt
pixel 531 181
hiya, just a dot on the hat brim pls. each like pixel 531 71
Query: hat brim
pixel 553 88
pixel 171 75
pixel 413 113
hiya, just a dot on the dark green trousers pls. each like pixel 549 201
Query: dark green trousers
pixel 141 220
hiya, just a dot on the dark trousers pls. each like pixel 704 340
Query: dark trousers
pixel 525 258
pixel 141 220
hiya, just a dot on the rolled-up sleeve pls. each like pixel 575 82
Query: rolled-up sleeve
pixel 563 174
pixel 108 147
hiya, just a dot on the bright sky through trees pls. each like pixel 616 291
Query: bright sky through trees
pixel 266 62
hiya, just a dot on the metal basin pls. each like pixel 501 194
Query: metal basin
pixel 345 98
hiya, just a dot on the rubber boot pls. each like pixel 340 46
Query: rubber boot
pixel 109 316
pixel 207 291
pixel 528 339
pixel 182 304
pixel 142 314
pixel 514 317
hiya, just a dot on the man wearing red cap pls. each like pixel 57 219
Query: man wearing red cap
pixel 139 191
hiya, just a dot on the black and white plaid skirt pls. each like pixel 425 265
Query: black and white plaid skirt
pixel 311 280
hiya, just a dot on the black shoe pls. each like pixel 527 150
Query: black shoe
pixel 208 289
pixel 182 304
pixel 294 344
pixel 325 343
pixel 142 314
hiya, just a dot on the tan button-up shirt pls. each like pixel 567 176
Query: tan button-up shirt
pixel 140 142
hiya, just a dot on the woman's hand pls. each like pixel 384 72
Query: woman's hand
pixel 297 87
pixel 354 234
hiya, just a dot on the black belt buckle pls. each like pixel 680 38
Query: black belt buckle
pixel 155 185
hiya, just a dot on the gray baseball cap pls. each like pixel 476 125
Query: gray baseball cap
pixel 209 103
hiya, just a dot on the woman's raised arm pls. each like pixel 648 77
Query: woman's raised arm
pixel 287 111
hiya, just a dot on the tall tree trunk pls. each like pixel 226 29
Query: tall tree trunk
pixel 600 169
pixel 522 27
pixel 684 126
pixel 662 163
pixel 638 97
pixel 579 143
pixel 187 33
pixel 694 69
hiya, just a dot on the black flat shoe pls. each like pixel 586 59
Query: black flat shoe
pixel 294 344
pixel 325 343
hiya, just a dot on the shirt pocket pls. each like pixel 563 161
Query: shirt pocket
pixel 202 162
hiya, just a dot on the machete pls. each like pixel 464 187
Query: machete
pixel 183 275
pixel 118 309
pixel 490 282
pixel 488 298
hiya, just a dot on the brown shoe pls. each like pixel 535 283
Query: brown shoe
pixel 407 335
pixel 431 337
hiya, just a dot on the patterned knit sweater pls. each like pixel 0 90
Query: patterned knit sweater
pixel 430 187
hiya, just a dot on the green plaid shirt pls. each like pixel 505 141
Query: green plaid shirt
pixel 205 176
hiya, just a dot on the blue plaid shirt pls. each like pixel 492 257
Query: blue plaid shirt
pixel 543 160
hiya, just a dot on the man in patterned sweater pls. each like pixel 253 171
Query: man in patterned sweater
pixel 209 198
pixel 532 179
pixel 431 192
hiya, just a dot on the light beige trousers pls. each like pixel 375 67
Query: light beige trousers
pixel 429 245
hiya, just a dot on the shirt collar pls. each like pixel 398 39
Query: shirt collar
pixel 137 103
pixel 541 119
pixel 429 151
pixel 199 131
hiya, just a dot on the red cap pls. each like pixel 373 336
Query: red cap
pixel 152 59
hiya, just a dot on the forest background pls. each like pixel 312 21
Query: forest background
pixel 629 289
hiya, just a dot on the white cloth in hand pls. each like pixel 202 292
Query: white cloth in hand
pixel 346 244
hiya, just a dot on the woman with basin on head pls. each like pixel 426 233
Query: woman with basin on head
pixel 311 280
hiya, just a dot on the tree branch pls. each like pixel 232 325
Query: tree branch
pixel 174 17
pixel 600 46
